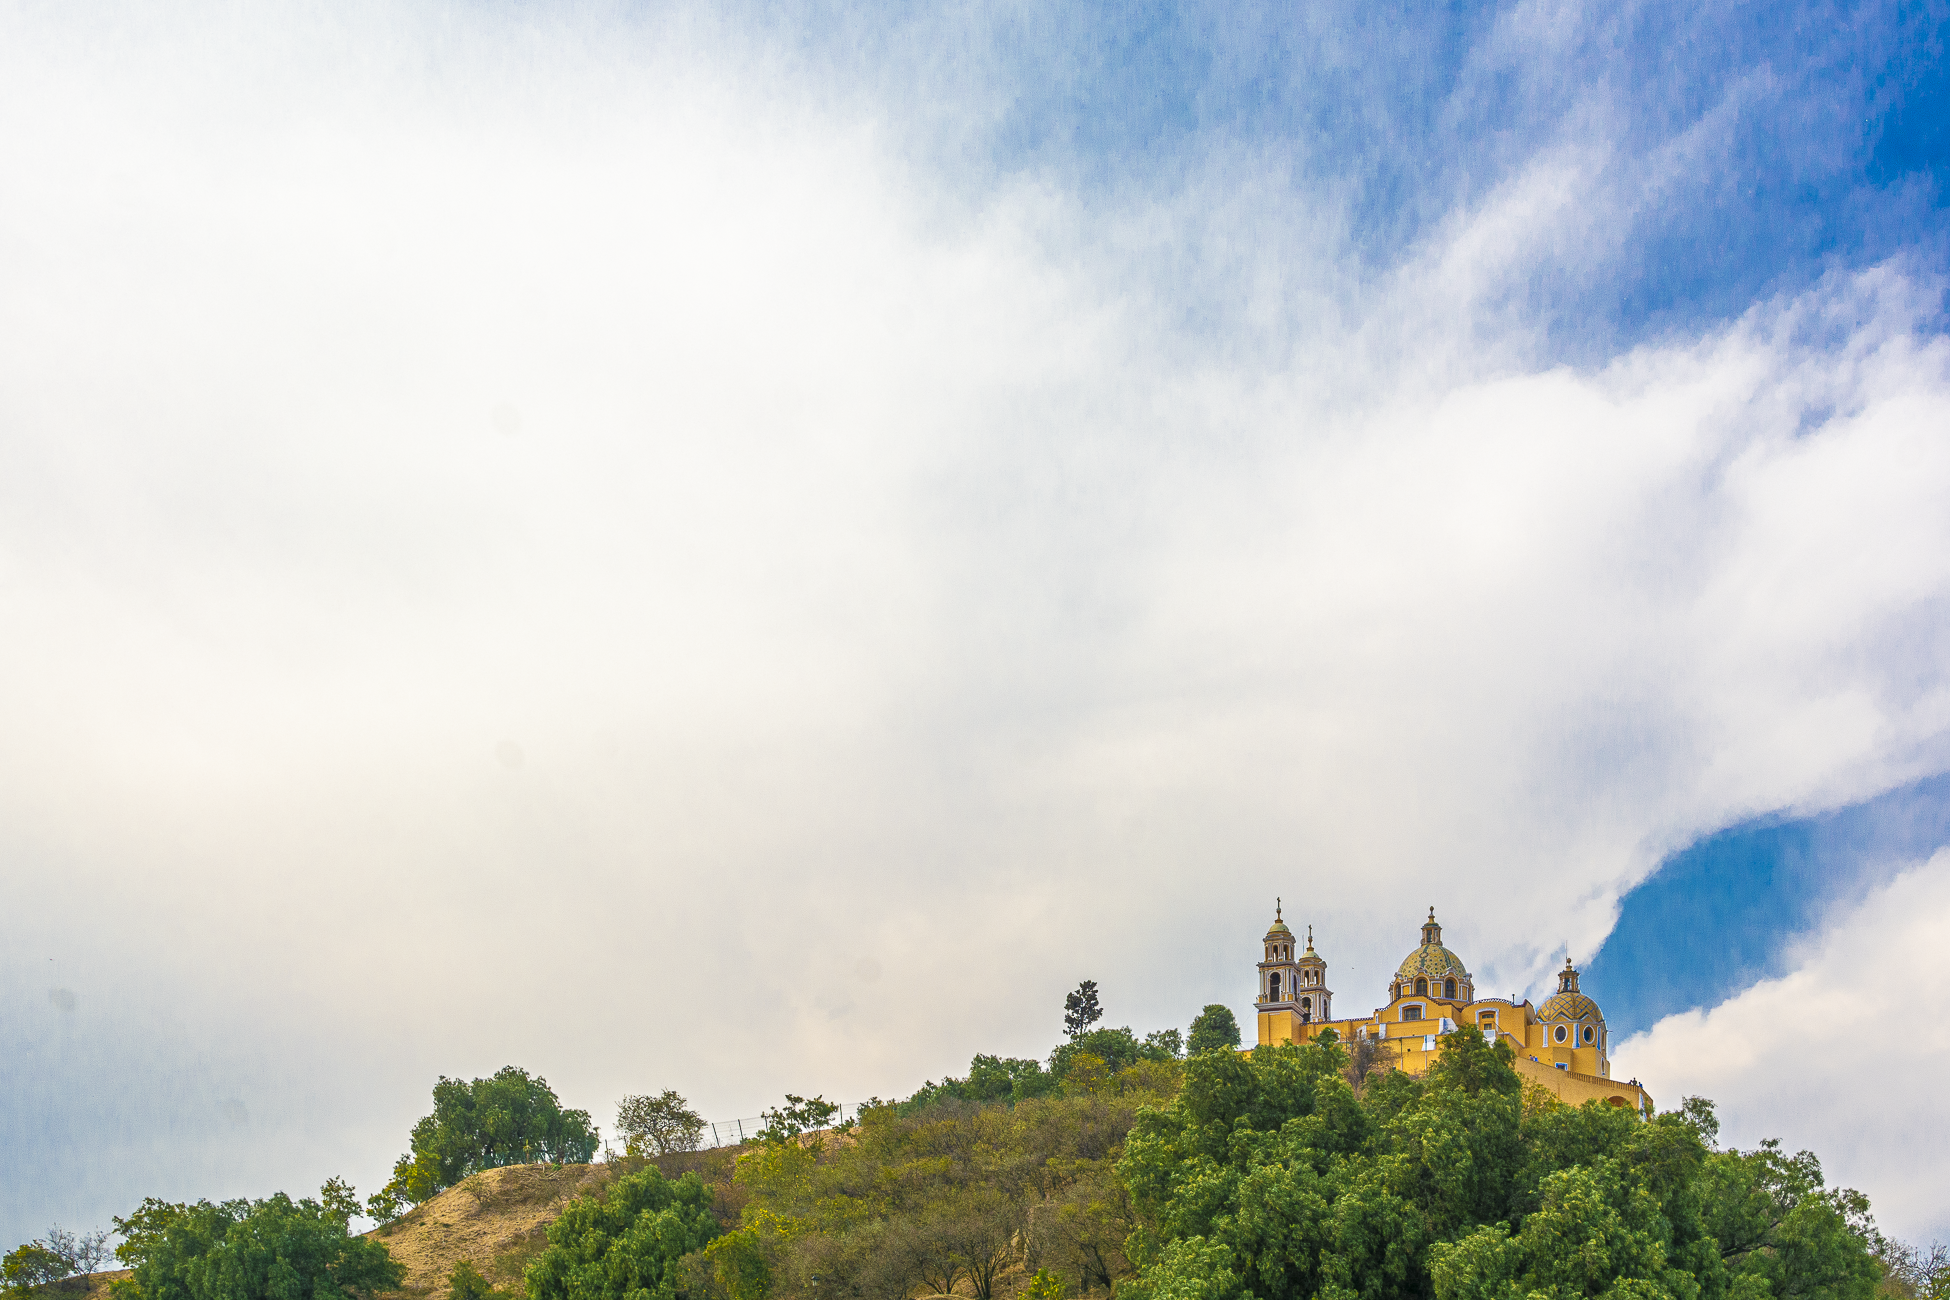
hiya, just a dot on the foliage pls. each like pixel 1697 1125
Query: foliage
pixel 30 1267
pixel 249 1250
pixel 625 1243
pixel 1080 1009
pixel 1119 1049
pixel 1914 1272
pixel 990 1078
pixel 465 1282
pixel 1213 1028
pixel 1267 1176
pixel 507 1119
pixel 1045 1285
pixel 64 1257
pixel 947 1192
pixel 798 1115
pixel 738 1266
pixel 658 1124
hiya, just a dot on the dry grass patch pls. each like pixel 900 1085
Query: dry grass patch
pixel 497 1220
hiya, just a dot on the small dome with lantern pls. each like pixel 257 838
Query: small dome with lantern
pixel 1431 959
pixel 1567 1003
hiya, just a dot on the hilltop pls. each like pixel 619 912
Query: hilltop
pixel 498 1219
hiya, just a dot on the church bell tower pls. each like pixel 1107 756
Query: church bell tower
pixel 1315 998
pixel 1279 973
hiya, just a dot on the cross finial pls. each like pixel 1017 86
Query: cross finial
pixel 1310 938
pixel 1432 912
pixel 1276 907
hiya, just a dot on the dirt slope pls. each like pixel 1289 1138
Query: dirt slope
pixel 498 1219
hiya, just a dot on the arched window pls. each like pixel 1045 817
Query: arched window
pixel 1561 1033
pixel 1421 988
pixel 1273 985
pixel 1306 1004
pixel 1449 988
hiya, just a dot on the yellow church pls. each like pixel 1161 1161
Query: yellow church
pixel 1560 1045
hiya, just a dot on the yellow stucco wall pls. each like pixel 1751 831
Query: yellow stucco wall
pixel 1417 1043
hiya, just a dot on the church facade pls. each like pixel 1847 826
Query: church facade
pixel 1561 1045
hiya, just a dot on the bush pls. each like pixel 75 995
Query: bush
pixel 466 1283
pixel 248 1250
pixel 625 1244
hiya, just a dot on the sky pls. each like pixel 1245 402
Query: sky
pixel 749 548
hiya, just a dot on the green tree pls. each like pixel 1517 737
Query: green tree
pixel 465 1282
pixel 1080 1009
pixel 65 1257
pixel 1118 1048
pixel 509 1118
pixel 1213 1028
pixel 626 1243
pixel 798 1115
pixel 252 1250
pixel 1267 1176
pixel 658 1124
pixel 1777 1224
pixel 26 1269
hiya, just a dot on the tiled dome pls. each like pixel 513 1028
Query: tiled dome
pixel 1567 1003
pixel 1568 1006
pixel 1432 959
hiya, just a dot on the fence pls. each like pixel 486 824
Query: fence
pixel 737 1132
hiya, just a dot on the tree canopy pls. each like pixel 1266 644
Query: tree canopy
pixel 1267 1177
pixel 509 1118
pixel 274 1249
pixel 658 1124
pixel 1212 1028
pixel 1080 1009
pixel 626 1243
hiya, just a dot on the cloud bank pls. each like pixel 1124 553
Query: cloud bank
pixel 577 542
pixel 1779 1058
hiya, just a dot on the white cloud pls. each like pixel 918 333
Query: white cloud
pixel 863 574
pixel 1839 1057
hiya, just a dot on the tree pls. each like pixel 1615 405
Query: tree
pixel 626 1243
pixel 1777 1223
pixel 798 1115
pixel 26 1269
pixel 1365 1057
pixel 1213 1028
pixel 64 1257
pixel 1915 1272
pixel 658 1124
pixel 1268 1176
pixel 249 1250
pixel 1080 1009
pixel 507 1119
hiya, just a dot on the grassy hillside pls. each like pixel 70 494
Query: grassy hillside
pixel 498 1219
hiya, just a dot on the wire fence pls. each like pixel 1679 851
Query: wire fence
pixel 737 1132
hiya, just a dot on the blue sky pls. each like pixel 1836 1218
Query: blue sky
pixel 628 540
pixel 1726 912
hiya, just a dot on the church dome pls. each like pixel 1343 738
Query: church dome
pixel 1431 959
pixel 1567 1003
